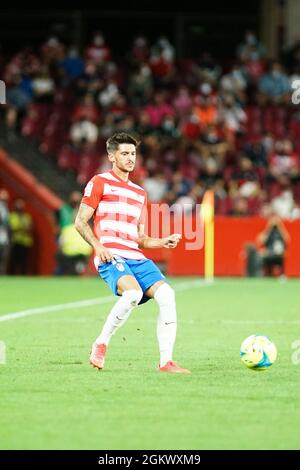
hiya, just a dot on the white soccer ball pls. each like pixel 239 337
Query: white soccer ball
pixel 258 352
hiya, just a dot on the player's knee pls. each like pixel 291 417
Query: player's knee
pixel 165 294
pixel 133 296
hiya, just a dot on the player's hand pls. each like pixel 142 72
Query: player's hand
pixel 103 254
pixel 172 240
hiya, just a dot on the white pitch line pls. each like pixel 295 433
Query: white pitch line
pixel 86 303
pixel 258 322
pixel 55 308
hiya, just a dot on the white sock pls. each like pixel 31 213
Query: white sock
pixel 119 314
pixel 166 322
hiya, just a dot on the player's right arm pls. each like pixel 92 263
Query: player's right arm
pixel 92 195
pixel 85 213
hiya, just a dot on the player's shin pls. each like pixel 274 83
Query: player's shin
pixel 119 314
pixel 166 322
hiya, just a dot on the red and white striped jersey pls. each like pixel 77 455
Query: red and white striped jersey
pixel 119 208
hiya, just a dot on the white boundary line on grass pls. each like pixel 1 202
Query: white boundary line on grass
pixel 87 303
pixel 258 322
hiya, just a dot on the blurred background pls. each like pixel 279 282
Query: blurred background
pixel 208 92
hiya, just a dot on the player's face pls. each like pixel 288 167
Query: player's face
pixel 125 157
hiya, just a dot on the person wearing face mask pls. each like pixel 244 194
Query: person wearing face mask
pixel 98 52
pixel 168 127
pixel 72 64
pixel 250 46
pixel 235 82
pixel 22 237
pixel 274 86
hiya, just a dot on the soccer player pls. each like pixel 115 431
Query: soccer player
pixel 118 208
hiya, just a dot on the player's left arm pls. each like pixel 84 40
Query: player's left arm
pixel 145 241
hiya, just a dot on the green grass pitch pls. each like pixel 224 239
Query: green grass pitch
pixel 50 398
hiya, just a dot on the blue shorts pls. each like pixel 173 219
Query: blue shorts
pixel 144 270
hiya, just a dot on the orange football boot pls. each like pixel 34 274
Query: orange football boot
pixel 171 366
pixel 97 357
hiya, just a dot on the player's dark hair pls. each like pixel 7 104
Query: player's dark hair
pixel 112 144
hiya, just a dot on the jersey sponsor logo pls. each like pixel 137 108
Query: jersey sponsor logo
pixel 88 189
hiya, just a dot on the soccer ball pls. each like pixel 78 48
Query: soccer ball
pixel 258 352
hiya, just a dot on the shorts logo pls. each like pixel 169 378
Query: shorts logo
pixel 120 267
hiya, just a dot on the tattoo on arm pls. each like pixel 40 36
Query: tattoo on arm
pixel 82 225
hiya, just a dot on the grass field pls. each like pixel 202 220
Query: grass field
pixel 50 398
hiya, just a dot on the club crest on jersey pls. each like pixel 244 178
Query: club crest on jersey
pixel 120 267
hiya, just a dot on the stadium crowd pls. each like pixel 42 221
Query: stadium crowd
pixel 202 124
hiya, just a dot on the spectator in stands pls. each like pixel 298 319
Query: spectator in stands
pixel 257 153
pixel 207 69
pixel 65 217
pixel 114 73
pixel 143 124
pixel 210 172
pixel 155 186
pixel 73 253
pixel 164 48
pixel 107 127
pixel 108 94
pixel 4 231
pixel 158 108
pixel 186 203
pixel 19 95
pixel 177 187
pixel 250 48
pixel 72 65
pixel 86 109
pixel 232 116
pixel 168 129
pixel 140 85
pixel 125 124
pixel 43 87
pixel 284 163
pixel 83 131
pixel 239 207
pixel 161 62
pixel 91 81
pixel 244 171
pixel 274 87
pixel 272 242
pixel 52 51
pixel 235 83
pixel 182 101
pixel 119 109
pixel 21 238
pixel 68 211
pixel 285 206
pixel 139 53
pixel 98 52
pixel 205 109
pixel 244 183
pixel 190 127
pixel 213 143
